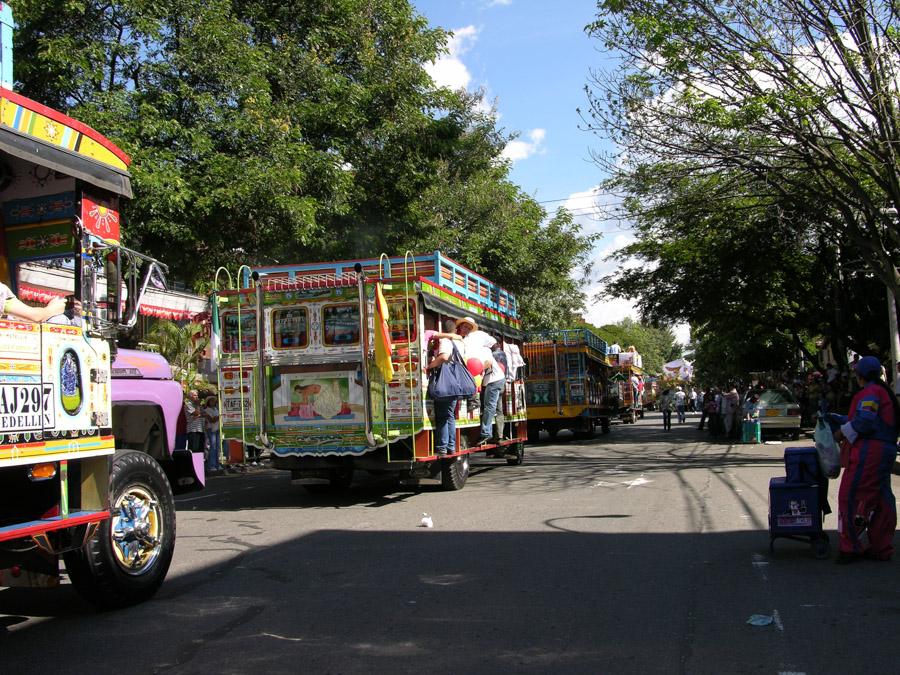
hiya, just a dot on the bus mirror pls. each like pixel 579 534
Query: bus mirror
pixel 113 270
pixel 138 273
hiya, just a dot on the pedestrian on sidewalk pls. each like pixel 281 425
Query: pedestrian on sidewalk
pixel 666 405
pixel 194 418
pixel 213 437
pixel 680 401
pixel 708 409
pixel 867 510
pixel 731 406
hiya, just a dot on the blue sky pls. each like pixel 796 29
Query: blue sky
pixel 532 58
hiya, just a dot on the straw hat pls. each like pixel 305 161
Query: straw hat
pixel 469 320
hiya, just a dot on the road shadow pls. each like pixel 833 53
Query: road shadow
pixel 639 449
pixel 572 599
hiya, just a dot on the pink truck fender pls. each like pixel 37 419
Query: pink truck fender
pixel 147 404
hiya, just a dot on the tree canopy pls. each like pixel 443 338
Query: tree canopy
pixel 758 161
pixel 266 132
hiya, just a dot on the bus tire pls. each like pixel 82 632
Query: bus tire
pixel 455 472
pixel 519 451
pixel 127 559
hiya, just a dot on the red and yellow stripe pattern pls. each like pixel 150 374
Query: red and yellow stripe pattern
pixel 50 126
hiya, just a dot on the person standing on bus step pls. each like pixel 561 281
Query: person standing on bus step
pixel 478 345
pixel 445 408
pixel 194 419
pixel 868 437
pixel 492 386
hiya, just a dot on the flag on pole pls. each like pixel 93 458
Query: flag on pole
pixel 214 337
pixel 383 346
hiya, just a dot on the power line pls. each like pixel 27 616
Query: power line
pixel 565 199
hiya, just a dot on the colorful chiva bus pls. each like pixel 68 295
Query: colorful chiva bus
pixel 568 383
pixel 299 370
pixel 628 385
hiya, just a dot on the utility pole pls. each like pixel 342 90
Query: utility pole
pixel 892 325
pixel 892 314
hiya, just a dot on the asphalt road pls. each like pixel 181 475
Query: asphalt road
pixel 637 552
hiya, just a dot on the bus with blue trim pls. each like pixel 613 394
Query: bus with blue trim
pixel 299 378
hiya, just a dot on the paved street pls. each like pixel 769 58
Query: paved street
pixel 641 551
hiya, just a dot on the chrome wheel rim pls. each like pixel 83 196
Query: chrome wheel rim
pixel 136 530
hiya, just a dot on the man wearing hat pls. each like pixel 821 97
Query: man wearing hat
pixel 480 345
pixel 868 437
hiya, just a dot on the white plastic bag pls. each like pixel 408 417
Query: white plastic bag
pixel 827 449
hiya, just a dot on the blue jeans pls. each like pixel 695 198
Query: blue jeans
pixel 215 449
pixel 445 424
pixel 490 395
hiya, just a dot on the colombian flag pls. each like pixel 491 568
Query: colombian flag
pixel 383 345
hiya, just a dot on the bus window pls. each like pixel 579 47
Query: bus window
pixel 247 332
pixel 397 319
pixel 341 324
pixel 289 329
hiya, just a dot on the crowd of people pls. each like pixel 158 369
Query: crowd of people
pixel 867 437
pixel 464 337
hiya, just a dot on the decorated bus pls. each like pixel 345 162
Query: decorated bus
pixel 627 385
pixel 567 383
pixel 87 431
pixel 323 365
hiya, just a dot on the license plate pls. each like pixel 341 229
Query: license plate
pixel 773 413
pixel 26 407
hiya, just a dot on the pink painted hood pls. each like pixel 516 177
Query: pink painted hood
pixel 137 364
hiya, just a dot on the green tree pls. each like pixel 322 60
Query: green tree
pixel 717 252
pixel 265 132
pixel 801 96
pixel 182 346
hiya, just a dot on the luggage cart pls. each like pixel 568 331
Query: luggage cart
pixel 798 502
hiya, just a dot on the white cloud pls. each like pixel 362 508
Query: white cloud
pixel 494 3
pixel 523 149
pixel 449 70
pixel 596 212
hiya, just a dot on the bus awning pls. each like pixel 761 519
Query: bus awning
pixel 489 325
pixel 64 161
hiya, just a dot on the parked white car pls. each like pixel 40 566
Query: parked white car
pixel 779 412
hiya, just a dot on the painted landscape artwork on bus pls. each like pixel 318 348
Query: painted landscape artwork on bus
pixel 321 396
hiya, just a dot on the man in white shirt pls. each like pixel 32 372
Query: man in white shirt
pixel 679 404
pixel 479 345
